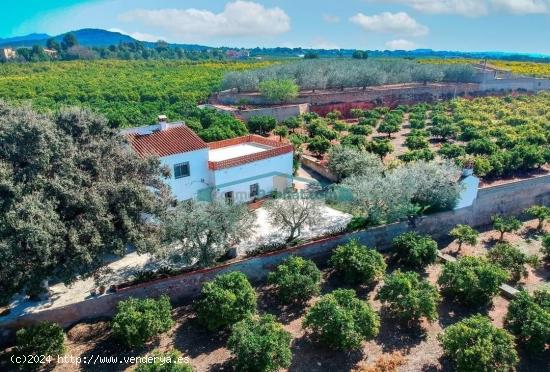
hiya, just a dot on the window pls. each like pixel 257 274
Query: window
pixel 181 170
pixel 254 189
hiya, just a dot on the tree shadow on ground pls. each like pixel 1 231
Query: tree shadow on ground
pixel 193 339
pixel 534 360
pixel 333 280
pixel 531 233
pixel 451 311
pixel 310 356
pixel 268 302
pixel 396 335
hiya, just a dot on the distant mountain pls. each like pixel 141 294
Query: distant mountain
pixel 25 40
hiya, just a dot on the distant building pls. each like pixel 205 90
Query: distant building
pixel 52 53
pixel 237 54
pixel 238 170
pixel 7 53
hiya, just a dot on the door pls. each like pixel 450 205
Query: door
pixel 229 197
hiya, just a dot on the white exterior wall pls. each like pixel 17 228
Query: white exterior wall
pixel 238 179
pixel 199 176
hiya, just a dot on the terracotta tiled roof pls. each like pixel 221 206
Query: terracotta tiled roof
pixel 171 141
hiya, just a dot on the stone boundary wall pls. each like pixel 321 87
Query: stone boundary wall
pixel 510 198
pixel 313 164
pixel 412 92
pixel 280 113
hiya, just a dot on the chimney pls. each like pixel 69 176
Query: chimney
pixel 163 122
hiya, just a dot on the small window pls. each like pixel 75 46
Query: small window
pixel 181 170
pixel 254 189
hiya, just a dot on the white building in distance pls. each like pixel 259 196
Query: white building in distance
pixel 239 169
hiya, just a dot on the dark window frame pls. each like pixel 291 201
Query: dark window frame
pixel 182 174
pixel 254 190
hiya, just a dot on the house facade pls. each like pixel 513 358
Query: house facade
pixel 238 170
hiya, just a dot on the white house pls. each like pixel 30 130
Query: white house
pixel 239 169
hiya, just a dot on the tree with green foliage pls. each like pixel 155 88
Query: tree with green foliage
pixel 199 233
pixel 444 132
pixel 511 259
pixel 505 224
pixel 415 250
pixel 281 131
pixel 481 146
pixel 409 297
pixel 476 345
pixel 293 123
pixel 138 320
pixel 261 125
pixel 226 300
pixel 296 280
pixel 417 155
pixel 345 162
pixel 473 281
pixel 319 145
pixel 260 344
pixel 342 321
pixel 360 54
pixel 416 142
pixel 540 212
pixel 279 91
pixel 389 127
pixel 68 41
pixel 464 234
pixel 43 339
pixel 546 246
pixel 72 193
pixel 451 151
pixel 170 361
pixel 528 318
pixel 380 147
pixel 358 264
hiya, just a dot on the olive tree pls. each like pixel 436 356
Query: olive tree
pixel 201 232
pixel 278 91
pixel 476 345
pixel 464 234
pixel 292 213
pixel 345 162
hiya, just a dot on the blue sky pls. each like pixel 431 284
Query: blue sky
pixel 468 25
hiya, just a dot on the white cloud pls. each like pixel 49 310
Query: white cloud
pixel 331 18
pixel 400 44
pixel 239 18
pixel 141 36
pixel 523 6
pixel 470 8
pixel 395 23
pixel 476 8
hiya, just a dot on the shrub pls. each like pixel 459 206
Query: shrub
pixel 540 212
pixel 45 338
pixel 472 280
pixel 260 344
pixel 224 301
pixel 409 297
pixel 546 246
pixel 474 344
pixel 341 321
pixel 137 320
pixel 385 363
pixel 511 259
pixel 261 124
pixel 415 250
pixel 464 234
pixel 529 319
pixel 170 361
pixel 358 263
pixel 296 280
pixel 282 90
pixel 505 224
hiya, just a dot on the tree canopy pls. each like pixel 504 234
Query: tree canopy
pixel 71 192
